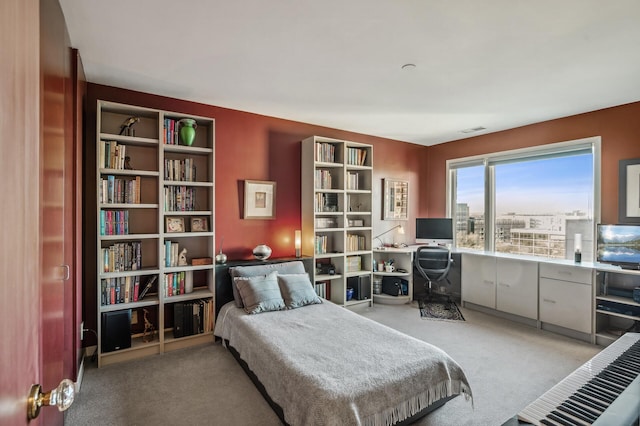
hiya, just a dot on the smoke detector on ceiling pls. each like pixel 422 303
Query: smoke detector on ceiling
pixel 473 129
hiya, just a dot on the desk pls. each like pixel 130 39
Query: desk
pixel 403 257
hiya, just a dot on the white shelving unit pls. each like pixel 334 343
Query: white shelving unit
pixel 140 234
pixel 615 309
pixel 336 214
pixel 403 261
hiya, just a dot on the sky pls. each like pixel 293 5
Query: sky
pixel 533 187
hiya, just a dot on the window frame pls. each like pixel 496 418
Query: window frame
pixel 490 160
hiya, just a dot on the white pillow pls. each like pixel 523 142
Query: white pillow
pixel 297 290
pixel 260 293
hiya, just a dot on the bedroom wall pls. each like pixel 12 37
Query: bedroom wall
pixel 619 128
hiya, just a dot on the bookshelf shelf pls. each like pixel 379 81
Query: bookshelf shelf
pixel 143 166
pixel 336 216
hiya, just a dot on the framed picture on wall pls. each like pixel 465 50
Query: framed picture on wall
pixel 396 200
pixel 629 191
pixel 259 199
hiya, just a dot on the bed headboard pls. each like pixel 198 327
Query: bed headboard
pixel 224 292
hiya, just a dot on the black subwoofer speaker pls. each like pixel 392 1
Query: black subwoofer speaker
pixel 116 330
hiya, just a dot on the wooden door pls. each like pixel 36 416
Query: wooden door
pixel 36 291
pixel 20 325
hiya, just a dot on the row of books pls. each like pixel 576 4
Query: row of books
pixel 170 133
pixel 179 198
pixel 112 155
pixel 193 317
pixel 323 289
pixel 356 156
pixel 180 170
pixel 114 222
pixel 122 257
pixel 124 289
pixel 119 190
pixel 326 202
pixel 353 264
pixel 322 244
pixel 356 242
pixel 353 180
pixel 325 152
pixel 177 283
pixel 323 179
pixel 171 253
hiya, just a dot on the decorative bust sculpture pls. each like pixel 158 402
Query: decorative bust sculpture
pixel 182 259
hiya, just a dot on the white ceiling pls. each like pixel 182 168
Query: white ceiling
pixel 498 64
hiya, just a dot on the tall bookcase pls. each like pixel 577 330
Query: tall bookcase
pixel 337 217
pixel 155 198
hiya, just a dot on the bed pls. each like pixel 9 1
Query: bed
pixel 321 364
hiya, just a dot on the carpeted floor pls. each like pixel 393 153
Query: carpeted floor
pixel 443 310
pixel 508 366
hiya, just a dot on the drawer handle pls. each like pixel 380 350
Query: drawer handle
pixel 564 272
pixel 548 300
pixel 505 285
pixel 488 282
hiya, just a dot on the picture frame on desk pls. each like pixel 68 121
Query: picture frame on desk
pixel 629 191
pixel 259 199
pixel 199 224
pixel 174 224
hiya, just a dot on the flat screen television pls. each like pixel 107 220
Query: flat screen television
pixel 434 230
pixel 619 245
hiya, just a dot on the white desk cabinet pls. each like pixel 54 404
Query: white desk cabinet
pixel 517 289
pixel 565 296
pixel 479 280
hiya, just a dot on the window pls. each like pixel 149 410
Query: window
pixel 528 202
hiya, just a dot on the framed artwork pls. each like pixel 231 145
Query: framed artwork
pixel 199 224
pixel 629 191
pixel 259 199
pixel 396 200
pixel 174 224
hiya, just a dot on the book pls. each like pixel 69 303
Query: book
pixel 147 287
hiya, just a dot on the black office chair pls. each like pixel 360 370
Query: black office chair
pixel 433 264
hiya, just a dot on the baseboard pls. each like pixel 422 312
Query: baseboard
pixel 78 383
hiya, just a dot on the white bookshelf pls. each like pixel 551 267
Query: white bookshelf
pixel 147 208
pixel 337 213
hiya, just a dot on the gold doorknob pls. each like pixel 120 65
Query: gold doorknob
pixel 62 397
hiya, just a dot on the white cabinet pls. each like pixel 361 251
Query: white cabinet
pixel 616 311
pixel 517 289
pixel 565 296
pixel 403 264
pixel 336 210
pixel 479 280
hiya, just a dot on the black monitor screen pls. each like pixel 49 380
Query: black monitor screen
pixel 434 230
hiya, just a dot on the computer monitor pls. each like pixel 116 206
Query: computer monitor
pixel 434 231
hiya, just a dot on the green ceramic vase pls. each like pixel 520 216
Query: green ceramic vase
pixel 187 131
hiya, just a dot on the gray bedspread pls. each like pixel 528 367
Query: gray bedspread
pixel 325 365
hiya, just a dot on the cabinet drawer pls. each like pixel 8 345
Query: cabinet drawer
pixel 566 304
pixel 566 273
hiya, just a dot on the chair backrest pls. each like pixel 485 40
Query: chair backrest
pixel 433 262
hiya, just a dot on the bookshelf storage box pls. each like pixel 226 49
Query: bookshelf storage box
pixel 150 189
pixel 336 214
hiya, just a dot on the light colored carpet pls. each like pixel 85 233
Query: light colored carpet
pixel 508 366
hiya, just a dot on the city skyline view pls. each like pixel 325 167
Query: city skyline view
pixel 546 186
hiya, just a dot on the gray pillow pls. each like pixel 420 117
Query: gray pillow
pixel 260 294
pixel 297 290
pixel 294 267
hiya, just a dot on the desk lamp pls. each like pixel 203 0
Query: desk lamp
pixel 400 231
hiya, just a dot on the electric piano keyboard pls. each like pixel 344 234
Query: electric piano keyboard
pixel 603 391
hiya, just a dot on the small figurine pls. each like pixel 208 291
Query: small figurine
pixel 127 163
pixel 182 259
pixel 127 127
pixel 149 329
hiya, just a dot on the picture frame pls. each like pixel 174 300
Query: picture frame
pixel 199 224
pixel 259 199
pixel 395 199
pixel 629 191
pixel 174 224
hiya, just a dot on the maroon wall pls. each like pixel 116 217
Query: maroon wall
pixel 619 128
